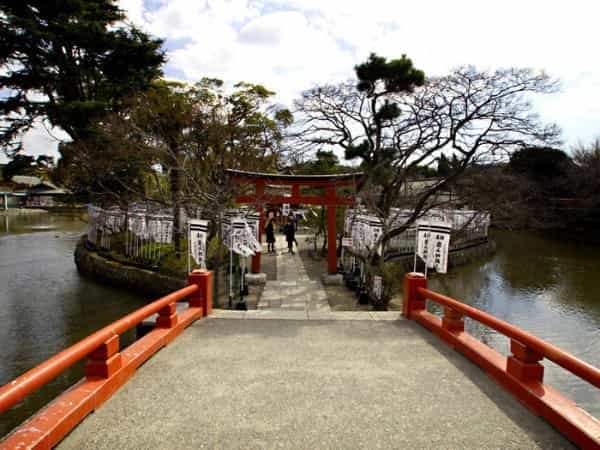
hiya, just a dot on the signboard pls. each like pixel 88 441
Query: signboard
pixel 243 239
pixel 375 230
pixel 198 230
pixel 253 221
pixel 433 242
pixel 347 242
pixel 377 287
pixel 285 209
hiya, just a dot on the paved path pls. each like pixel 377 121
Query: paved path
pixel 310 384
pixel 292 295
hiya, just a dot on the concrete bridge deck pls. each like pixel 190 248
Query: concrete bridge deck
pixel 227 383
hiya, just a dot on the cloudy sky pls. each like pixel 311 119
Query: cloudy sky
pixel 289 45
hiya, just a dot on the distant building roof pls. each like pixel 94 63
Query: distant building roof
pixel 26 180
pixel 36 186
pixel 46 188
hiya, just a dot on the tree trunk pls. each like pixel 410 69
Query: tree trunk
pixel 175 181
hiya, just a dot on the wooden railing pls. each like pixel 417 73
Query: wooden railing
pixel 521 373
pixel 107 368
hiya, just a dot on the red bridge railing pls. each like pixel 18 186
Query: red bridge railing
pixel 107 368
pixel 521 372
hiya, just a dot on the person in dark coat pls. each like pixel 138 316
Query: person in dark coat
pixel 270 232
pixel 290 234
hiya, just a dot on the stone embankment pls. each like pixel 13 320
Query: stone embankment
pixel 140 280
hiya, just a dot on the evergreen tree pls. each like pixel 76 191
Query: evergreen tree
pixel 379 79
pixel 69 62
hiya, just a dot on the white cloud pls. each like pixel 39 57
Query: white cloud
pixel 282 50
pixel 289 45
pixel 41 140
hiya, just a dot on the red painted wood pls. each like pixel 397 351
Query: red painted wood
pixel 524 353
pixel 47 427
pixel 107 349
pixel 259 194
pixel 524 371
pixel 203 296
pixel 295 190
pixel 103 368
pixel 520 373
pixel 303 181
pixel 33 379
pixel 293 200
pixel 330 199
pixel 331 240
pixel 411 299
pixel 564 359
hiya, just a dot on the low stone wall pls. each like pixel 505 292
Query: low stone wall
pixel 144 281
pixel 457 257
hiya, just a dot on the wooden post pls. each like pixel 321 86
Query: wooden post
pixel 331 232
pixel 259 192
pixel 105 360
pixel 295 193
pixel 331 240
pixel 412 300
pixel 203 296
pixel 452 320
pixel 524 363
pixel 167 316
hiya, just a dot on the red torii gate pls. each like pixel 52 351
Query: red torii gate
pixel 329 183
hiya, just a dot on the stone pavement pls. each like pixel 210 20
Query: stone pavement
pixel 249 384
pixel 292 295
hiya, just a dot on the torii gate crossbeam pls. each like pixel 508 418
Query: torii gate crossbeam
pixel 330 199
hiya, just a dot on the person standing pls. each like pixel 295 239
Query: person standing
pixel 270 232
pixel 290 234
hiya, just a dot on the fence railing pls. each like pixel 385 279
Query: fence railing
pixel 107 367
pixel 521 372
pixel 469 227
pixel 404 244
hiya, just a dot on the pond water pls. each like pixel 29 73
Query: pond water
pixel 45 305
pixel 548 287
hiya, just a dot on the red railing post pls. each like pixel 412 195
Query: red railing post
pixel 105 360
pixel 452 320
pixel 167 316
pixel 523 363
pixel 203 296
pixel 412 300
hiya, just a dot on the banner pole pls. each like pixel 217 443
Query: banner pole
pixel 416 246
pixel 230 277
pixel 189 248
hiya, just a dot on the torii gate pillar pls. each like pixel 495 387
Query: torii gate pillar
pixel 259 192
pixel 331 233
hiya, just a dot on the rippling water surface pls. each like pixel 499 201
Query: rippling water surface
pixel 545 286
pixel 45 305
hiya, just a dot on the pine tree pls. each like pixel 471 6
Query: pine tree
pixel 69 62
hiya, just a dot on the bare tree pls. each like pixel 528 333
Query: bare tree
pixel 585 175
pixel 479 115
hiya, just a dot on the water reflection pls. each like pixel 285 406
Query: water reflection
pixel 40 222
pixel 547 287
pixel 45 305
